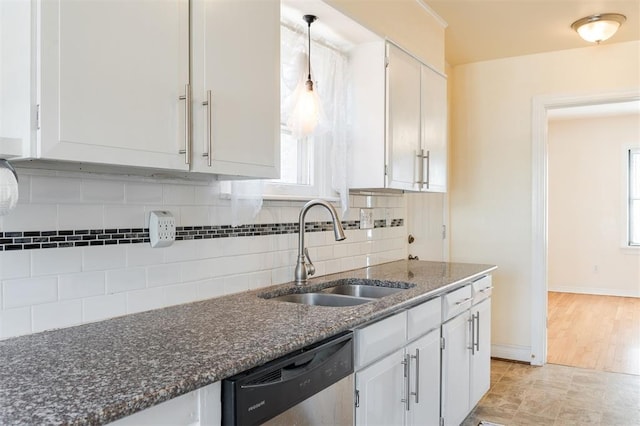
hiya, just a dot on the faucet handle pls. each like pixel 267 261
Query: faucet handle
pixel 310 268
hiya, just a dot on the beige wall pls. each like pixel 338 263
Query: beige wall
pixel 405 22
pixel 491 161
pixel 587 206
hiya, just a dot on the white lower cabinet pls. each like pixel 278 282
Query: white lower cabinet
pixel 424 379
pixel 466 353
pixel 398 381
pixel 198 408
pixel 455 370
pixel 380 390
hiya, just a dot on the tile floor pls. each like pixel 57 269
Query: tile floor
pixel 557 395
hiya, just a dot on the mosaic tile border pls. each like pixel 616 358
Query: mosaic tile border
pixel 34 240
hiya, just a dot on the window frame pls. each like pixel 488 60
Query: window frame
pixel 630 154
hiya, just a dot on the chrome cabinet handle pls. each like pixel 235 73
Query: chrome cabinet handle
pixel 207 144
pixel 417 392
pixel 486 289
pixel 471 322
pixel 463 301
pixel 477 333
pixel 428 158
pixel 187 125
pixel 420 180
pixel 421 157
pixel 407 372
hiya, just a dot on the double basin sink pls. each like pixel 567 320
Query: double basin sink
pixel 344 293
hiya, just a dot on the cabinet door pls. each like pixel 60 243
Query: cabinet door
pixel 425 380
pixel 481 359
pixel 455 370
pixel 111 76
pixel 403 133
pixel 434 129
pixel 236 57
pixel 380 390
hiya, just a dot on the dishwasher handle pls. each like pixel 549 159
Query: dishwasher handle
pixel 299 366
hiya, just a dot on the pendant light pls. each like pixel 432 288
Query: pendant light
pixel 307 108
pixel 597 28
pixel 8 187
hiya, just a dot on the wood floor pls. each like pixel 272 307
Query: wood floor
pixel 594 332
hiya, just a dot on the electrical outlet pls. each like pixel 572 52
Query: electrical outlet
pixel 366 218
pixel 162 228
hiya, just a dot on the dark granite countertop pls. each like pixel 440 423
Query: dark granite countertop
pixel 99 372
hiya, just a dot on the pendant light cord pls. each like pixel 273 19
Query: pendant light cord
pixel 309 19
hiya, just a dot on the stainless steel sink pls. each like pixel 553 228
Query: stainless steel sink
pixel 359 290
pixel 322 299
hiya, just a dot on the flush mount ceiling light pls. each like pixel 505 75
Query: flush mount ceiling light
pixel 597 28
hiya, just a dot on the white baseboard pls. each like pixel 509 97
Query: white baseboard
pixel 512 352
pixel 600 291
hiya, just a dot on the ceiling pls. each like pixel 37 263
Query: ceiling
pixel 480 30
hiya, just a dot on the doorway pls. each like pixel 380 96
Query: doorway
pixel 542 105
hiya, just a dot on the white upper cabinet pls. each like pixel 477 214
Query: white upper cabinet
pixel 399 121
pixel 403 119
pixel 236 66
pixel 433 87
pixel 120 83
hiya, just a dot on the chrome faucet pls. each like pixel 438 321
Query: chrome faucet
pixel 304 269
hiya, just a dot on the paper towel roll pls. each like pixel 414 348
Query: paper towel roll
pixel 8 188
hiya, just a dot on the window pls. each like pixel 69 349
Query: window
pixel 306 164
pixel 634 197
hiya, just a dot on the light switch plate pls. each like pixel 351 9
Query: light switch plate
pixel 366 219
pixel 162 228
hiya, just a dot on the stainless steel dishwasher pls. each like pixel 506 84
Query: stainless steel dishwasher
pixel 311 386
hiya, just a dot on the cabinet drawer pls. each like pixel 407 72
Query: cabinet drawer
pixel 424 318
pixel 380 338
pixel 481 289
pixel 456 302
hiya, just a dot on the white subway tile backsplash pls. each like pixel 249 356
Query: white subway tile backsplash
pixel 56 191
pixel 48 288
pixel 236 284
pixel 259 279
pixel 122 280
pixel 15 264
pixel 103 258
pixel 210 288
pixel 116 216
pixel 143 255
pixel 15 322
pixel 80 216
pixel 29 291
pixel 102 191
pixel 161 275
pixel 181 293
pixel 201 269
pixel 31 217
pixel 193 215
pixel 56 315
pixel 178 194
pixel 103 307
pixel 59 261
pixel 143 193
pixel 145 300
pixel 180 251
pixel 84 284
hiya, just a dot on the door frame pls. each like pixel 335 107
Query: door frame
pixel 539 202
